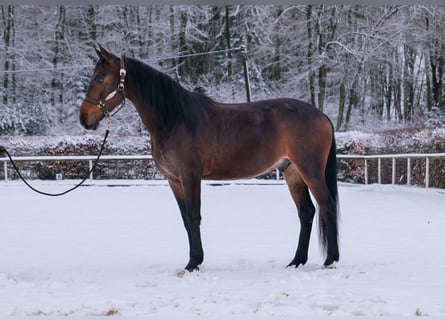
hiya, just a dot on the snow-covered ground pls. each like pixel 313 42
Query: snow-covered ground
pixel 118 250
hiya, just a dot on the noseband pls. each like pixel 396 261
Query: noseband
pixel 119 89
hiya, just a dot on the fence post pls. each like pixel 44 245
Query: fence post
pixel 427 172
pixel 393 173
pixel 90 162
pixel 5 168
pixel 366 171
pixel 379 170
pixel 408 171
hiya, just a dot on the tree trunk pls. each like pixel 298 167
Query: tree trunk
pixel 57 81
pixel 173 43
pixel 322 75
pixel 310 53
pixel 352 102
pixel 93 27
pixel 228 43
pixel 398 115
pixel 408 83
pixel 341 104
pixel 388 91
pixel 8 37
pixel 276 67
pixel 185 64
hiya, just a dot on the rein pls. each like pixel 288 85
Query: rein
pixel 66 191
pixel 100 104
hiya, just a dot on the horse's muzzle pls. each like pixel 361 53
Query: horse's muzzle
pixel 89 125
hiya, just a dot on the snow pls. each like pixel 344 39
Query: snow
pixel 116 247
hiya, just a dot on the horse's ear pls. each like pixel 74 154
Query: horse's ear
pixel 99 54
pixel 104 54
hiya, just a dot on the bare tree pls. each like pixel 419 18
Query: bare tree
pixel 362 65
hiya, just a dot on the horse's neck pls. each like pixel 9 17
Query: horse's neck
pixel 169 99
pixel 147 116
pixel 145 111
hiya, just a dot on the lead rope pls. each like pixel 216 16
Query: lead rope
pixel 100 104
pixel 77 185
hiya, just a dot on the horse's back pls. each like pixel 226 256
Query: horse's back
pixel 282 117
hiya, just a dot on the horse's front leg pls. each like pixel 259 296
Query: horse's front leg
pixel 188 195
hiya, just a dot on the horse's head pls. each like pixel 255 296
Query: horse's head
pixel 106 89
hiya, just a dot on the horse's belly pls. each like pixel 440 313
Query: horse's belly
pixel 239 170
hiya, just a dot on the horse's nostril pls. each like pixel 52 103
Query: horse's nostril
pixel 88 123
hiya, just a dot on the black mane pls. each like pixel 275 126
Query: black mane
pixel 172 103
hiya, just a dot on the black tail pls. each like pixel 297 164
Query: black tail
pixel 331 182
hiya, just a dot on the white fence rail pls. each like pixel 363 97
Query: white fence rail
pixel 365 158
pixel 89 159
pixel 408 156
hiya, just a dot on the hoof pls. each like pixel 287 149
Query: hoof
pixel 182 273
pixel 296 263
pixel 191 267
pixel 330 261
pixel 330 266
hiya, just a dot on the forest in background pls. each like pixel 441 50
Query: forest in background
pixel 367 67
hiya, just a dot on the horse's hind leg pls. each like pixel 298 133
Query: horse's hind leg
pixel 328 215
pixel 306 210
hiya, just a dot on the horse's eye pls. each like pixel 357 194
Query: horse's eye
pixel 99 78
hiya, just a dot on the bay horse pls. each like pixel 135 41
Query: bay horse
pixel 194 137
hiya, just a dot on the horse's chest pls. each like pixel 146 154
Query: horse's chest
pixel 164 163
pixel 171 162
